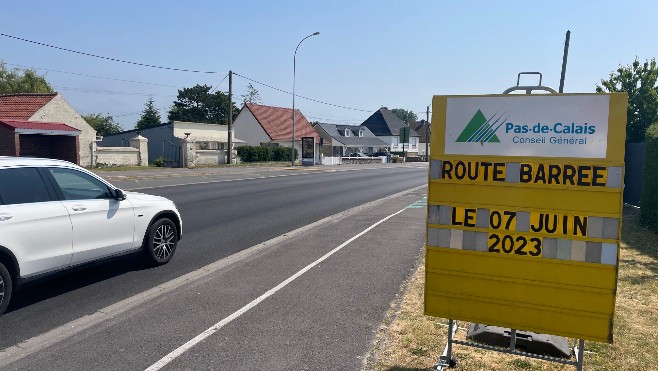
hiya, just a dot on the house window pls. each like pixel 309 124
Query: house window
pixel 347 132
pixel 360 133
pixel 413 142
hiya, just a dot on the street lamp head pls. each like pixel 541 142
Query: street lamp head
pixel 316 33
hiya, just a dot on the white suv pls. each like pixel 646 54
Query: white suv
pixel 55 215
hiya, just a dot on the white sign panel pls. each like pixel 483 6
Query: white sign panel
pixel 522 125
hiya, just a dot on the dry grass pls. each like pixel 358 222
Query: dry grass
pixel 414 341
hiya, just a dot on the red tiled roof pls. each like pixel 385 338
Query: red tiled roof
pixel 277 122
pixel 22 106
pixel 36 125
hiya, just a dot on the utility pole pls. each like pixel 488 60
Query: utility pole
pixel 564 61
pixel 404 154
pixel 230 117
pixel 427 136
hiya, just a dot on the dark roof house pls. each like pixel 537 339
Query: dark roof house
pixel 384 123
pixel 349 136
pixel 421 127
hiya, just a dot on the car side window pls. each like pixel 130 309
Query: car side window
pixel 22 185
pixel 76 185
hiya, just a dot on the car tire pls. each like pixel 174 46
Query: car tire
pixel 160 242
pixel 6 288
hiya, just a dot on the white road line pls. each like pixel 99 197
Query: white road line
pixel 216 327
pixel 214 181
pixel 67 330
pixel 110 179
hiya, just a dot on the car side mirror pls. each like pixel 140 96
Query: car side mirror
pixel 119 195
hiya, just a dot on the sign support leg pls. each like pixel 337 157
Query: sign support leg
pixel 580 350
pixel 445 360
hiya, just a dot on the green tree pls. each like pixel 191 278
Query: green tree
pixel 197 104
pixel 639 81
pixel 150 116
pixel 404 115
pixel 104 125
pixel 251 96
pixel 18 81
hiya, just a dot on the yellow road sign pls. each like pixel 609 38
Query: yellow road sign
pixel 524 211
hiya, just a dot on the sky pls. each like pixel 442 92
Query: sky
pixel 369 54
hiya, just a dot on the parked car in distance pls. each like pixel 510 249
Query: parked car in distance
pixel 358 154
pixel 55 215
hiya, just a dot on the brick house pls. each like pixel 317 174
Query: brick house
pixel 39 124
pixel 39 139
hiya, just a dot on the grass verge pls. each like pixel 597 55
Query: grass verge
pixel 413 342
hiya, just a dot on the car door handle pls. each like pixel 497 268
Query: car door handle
pixel 79 208
pixel 5 217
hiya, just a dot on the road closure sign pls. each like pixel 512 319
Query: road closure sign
pixel 524 211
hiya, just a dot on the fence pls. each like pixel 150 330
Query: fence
pixel 634 159
pixel 116 156
pixel 134 155
pixel 210 156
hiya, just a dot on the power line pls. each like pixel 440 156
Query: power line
pixel 175 69
pixel 111 92
pixel 106 58
pixel 137 113
pixel 332 121
pixel 220 83
pixel 300 96
pixel 94 76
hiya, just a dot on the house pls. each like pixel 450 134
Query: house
pixel 342 140
pixel 260 125
pixel 41 124
pixel 164 141
pixel 386 126
pixel 422 127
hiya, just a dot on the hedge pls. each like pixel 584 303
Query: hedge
pixel 264 154
pixel 649 205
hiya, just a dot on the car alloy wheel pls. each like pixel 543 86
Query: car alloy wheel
pixel 164 241
pixel 2 290
pixel 160 242
pixel 5 288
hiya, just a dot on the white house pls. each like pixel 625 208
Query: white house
pixel 260 125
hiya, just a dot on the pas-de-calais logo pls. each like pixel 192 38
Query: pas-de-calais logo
pixel 479 129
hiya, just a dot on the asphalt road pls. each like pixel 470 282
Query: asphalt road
pixel 246 233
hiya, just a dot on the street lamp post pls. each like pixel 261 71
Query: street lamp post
pixel 294 66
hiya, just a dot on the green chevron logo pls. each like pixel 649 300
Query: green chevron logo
pixel 479 129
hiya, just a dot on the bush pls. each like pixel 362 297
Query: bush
pixel 264 154
pixel 649 205
pixel 158 162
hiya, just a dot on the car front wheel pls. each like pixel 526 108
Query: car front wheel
pixel 161 241
pixel 5 288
